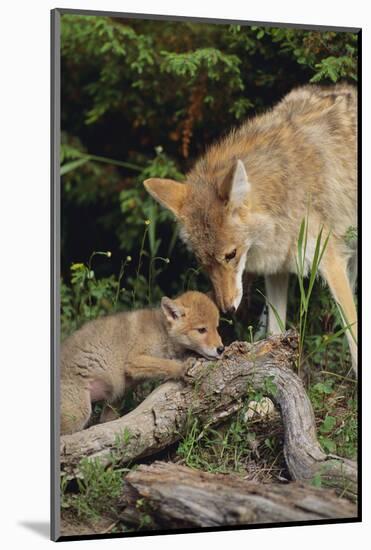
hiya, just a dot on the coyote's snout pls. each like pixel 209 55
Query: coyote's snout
pixel 227 286
pixel 243 203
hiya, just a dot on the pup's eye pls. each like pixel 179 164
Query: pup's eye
pixel 230 256
pixel 202 330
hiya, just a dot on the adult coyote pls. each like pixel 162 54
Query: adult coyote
pixel 242 205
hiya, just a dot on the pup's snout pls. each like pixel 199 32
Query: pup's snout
pixel 231 310
pixel 220 349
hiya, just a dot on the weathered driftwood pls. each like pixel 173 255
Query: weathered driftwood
pixel 212 392
pixel 176 496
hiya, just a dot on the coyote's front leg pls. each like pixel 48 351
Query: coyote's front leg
pixel 334 271
pixel 145 367
pixel 276 292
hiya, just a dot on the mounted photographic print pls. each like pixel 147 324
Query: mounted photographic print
pixel 204 274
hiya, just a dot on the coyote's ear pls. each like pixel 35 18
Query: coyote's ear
pixel 235 186
pixel 169 193
pixel 171 309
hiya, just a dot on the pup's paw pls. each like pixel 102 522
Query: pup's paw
pixel 189 364
pixel 177 372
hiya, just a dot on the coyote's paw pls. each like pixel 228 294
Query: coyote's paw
pixel 190 362
pixel 176 373
pixel 188 365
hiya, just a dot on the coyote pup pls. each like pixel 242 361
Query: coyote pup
pixel 108 355
pixel 242 204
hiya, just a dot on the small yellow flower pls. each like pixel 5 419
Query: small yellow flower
pixel 147 222
pixel 128 258
pixel 109 254
pixel 167 261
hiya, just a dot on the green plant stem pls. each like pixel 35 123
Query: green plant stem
pixel 346 378
pixel 193 272
pixel 90 271
pixel 85 157
pixel 121 274
pixel 150 275
pixel 115 162
pixel 141 252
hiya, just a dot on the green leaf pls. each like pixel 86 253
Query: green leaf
pixel 69 166
pixel 324 387
pixel 270 386
pixel 328 444
pixel 328 424
pixel 317 481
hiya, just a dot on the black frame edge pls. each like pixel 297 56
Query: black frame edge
pixel 55 271
pixel 170 17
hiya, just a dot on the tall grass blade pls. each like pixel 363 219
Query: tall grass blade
pixel 83 158
pixel 303 298
pixel 276 314
pixel 152 229
pixel 345 322
pixel 70 166
pixel 300 246
pixel 317 257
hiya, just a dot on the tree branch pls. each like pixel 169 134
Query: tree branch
pixel 175 496
pixel 214 391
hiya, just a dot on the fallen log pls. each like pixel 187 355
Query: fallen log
pixel 175 496
pixel 214 391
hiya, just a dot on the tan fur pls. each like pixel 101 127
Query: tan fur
pixel 106 356
pixel 299 158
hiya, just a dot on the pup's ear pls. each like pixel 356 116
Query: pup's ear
pixel 171 309
pixel 169 193
pixel 236 186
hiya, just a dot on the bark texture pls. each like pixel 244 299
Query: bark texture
pixel 175 496
pixel 213 391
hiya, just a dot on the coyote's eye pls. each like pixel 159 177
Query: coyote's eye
pixel 202 330
pixel 230 256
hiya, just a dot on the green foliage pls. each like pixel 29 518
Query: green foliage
pixel 137 206
pixel 87 297
pixel 351 236
pixel 327 54
pixel 141 98
pixel 99 488
pixel 335 406
pixel 214 61
pixel 234 445
pixel 267 389
pixel 227 449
